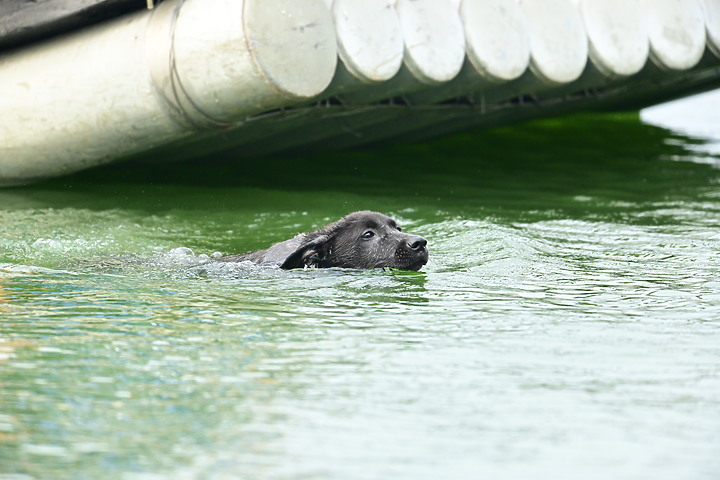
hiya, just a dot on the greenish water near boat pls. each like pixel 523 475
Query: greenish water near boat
pixel 566 325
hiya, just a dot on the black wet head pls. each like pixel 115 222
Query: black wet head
pixel 372 240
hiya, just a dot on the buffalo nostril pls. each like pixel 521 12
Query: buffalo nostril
pixel 417 244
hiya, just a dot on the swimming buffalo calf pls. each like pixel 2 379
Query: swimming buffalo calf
pixel 360 240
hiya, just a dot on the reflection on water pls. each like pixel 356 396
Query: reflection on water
pixel 565 326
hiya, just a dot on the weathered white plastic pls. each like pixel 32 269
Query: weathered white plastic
pixel 619 43
pixel 712 21
pixel 255 54
pixel 369 38
pixel 558 41
pixel 114 90
pixel 498 45
pixel 677 32
pixel 497 49
pixel 157 77
pixel 434 52
pixel 433 37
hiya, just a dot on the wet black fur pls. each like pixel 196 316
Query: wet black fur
pixel 360 240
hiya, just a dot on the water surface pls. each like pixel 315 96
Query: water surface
pixel 566 325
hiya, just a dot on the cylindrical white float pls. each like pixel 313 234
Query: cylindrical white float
pixel 434 50
pixel 677 32
pixel 433 38
pixel 497 48
pixel 498 45
pixel 712 21
pixel 618 37
pixel 369 42
pixel 558 41
pixel 157 76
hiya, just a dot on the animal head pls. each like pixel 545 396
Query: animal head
pixel 360 240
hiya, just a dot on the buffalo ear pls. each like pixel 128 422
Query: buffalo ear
pixel 309 254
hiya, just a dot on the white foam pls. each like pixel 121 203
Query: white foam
pixel 30 270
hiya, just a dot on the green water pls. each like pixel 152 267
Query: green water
pixel 565 327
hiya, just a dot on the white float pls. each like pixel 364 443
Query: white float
pixel 207 76
pixel 558 41
pixel 498 45
pixel 619 43
pixel 433 38
pixel 712 21
pixel 434 51
pixel 124 87
pixel 497 49
pixel 677 32
pixel 369 41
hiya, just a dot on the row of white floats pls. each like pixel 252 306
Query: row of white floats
pixel 188 65
pixel 411 45
pixel 502 38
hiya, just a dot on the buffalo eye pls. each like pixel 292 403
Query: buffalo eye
pixel 368 234
pixel 399 229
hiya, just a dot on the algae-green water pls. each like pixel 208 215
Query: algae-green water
pixel 566 326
